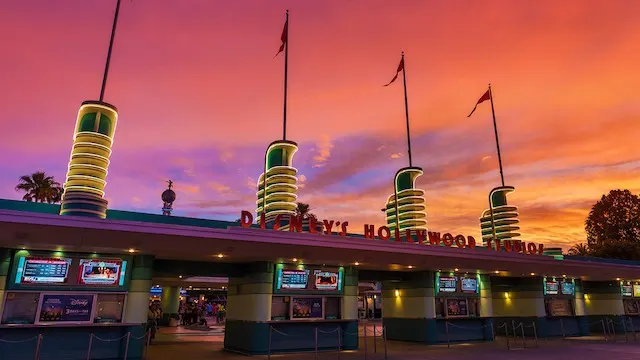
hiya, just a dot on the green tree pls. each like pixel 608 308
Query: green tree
pixel 580 249
pixel 613 226
pixel 304 210
pixel 39 187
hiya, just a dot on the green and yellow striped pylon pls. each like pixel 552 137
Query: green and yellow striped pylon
pixel 500 221
pixel 280 182
pixel 89 162
pixel 409 211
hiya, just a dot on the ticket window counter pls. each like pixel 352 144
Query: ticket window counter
pixel 305 308
pixel 559 304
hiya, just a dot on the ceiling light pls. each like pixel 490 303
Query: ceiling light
pixel 533 274
pixel 356 263
pixel 131 250
pixel 497 271
pixel 294 259
pixel 220 256
pixel 180 276
pixel 410 266
pixel 456 269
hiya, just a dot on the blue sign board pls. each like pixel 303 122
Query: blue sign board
pixel 64 307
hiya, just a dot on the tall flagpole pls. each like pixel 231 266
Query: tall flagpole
pixel 286 68
pixel 113 35
pixel 406 106
pixel 495 130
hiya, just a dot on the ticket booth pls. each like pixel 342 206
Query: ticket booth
pixel 560 307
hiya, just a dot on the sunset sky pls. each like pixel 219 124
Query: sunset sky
pixel 199 96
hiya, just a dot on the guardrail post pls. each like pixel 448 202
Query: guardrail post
pixel 493 332
pixel 562 327
pixel 375 333
pixel 624 328
pixel 38 344
pixel 535 332
pixel 148 342
pixel 126 346
pixel 269 349
pixel 90 344
pixel 506 335
pixel 524 342
pixel 633 328
pixel 613 328
pixel 316 343
pixel 384 339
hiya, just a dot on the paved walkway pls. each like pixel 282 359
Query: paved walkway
pixel 570 349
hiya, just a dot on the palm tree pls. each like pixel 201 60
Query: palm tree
pixel 304 210
pixel 580 249
pixel 39 187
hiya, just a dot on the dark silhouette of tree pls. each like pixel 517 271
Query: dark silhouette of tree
pixel 304 210
pixel 39 187
pixel 613 226
pixel 580 249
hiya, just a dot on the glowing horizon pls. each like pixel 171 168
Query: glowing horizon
pixel 199 98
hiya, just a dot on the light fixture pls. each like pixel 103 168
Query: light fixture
pixel 497 271
pixel 617 279
pixel 356 263
pixel 132 250
pixel 564 275
pixel 456 269
pixel 397 293
pixel 180 276
pixel 294 259
pixel 410 266
pixel 208 288
pixel 586 296
pixel 533 274
pixel 506 295
pixel 220 256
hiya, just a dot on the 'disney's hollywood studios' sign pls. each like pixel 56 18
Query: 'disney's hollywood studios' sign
pixel 420 237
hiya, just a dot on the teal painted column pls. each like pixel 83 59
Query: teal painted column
pixel 170 302
pixel 349 308
pixel 5 262
pixel 139 287
pixel 486 305
pixel 249 308
pixel 408 308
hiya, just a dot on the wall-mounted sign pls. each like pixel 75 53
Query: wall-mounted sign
pixel 551 287
pixel 326 280
pixel 636 290
pixel 448 284
pixel 421 237
pixel 101 272
pixel 294 279
pixel 567 288
pixel 469 285
pixel 306 308
pixel 457 307
pixel 32 270
pixel 627 290
pixel 63 307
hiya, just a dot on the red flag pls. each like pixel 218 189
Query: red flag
pixel 283 37
pixel 400 68
pixel 485 97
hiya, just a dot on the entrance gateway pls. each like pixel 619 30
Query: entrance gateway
pixel 89 275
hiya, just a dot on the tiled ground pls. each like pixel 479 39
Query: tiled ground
pixel 185 344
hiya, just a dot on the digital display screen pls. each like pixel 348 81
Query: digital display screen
pixel 306 308
pixel 294 279
pixel 567 288
pixel 33 270
pixel 326 280
pixel 469 285
pixel 627 290
pixel 448 284
pixel 551 288
pixel 100 272
pixel 636 290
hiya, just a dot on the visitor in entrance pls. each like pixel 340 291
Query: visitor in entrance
pixel 152 321
pixel 220 314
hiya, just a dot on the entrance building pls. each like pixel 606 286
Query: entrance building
pixel 65 277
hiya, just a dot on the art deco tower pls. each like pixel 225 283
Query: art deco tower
pixel 277 185
pixel 500 221
pixel 92 142
pixel 408 212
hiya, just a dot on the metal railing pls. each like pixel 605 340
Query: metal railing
pixel 38 344
pixel 339 345
pixel 447 324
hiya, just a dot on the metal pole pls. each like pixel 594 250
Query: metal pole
pixel 113 35
pixel 384 339
pixel 126 346
pixel 613 329
pixel 513 326
pixel 375 346
pixel 535 332
pixel 316 336
pixel 38 344
pixel 446 329
pixel 506 334
pixel 524 342
pixel 365 341
pixel 493 333
pixel 90 344
pixel 495 129
pixel 286 71
pixel 339 343
pixel 562 327
pixel 406 107
pixel 148 342
pixel 633 328
pixel 269 350
pixel 624 328
pixel 604 329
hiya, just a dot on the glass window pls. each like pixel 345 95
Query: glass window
pixel 109 308
pixel 631 307
pixel 332 308
pixel 559 307
pixel 280 308
pixel 20 307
